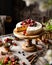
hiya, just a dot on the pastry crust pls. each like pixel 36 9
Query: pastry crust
pixel 22 28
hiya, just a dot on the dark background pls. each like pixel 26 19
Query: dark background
pixel 6 7
pixel 18 10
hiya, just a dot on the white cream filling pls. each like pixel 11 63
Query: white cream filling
pixel 34 28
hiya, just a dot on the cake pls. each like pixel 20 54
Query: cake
pixel 29 27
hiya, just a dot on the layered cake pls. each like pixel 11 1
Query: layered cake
pixel 29 27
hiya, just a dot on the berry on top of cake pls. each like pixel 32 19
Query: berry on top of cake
pixel 29 27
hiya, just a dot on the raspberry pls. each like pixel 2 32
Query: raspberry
pixel 28 21
pixel 23 63
pixel 31 24
pixel 12 59
pixel 14 44
pixel 23 23
pixel 24 32
pixel 0 41
pixel 8 40
pixel 32 21
pixel 6 60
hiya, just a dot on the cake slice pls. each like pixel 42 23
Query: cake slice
pixel 22 28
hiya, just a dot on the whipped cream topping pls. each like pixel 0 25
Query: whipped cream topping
pixel 18 24
pixel 32 28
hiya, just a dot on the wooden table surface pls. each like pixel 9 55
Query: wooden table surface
pixel 40 58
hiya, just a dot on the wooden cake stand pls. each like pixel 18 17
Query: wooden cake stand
pixel 27 46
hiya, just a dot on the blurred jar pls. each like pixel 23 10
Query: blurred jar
pixel 8 19
pixel 2 26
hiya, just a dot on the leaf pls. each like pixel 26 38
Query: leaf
pixel 48 25
pixel 0 63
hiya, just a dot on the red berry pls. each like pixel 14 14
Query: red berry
pixel 15 44
pixel 6 40
pixel 12 59
pixel 5 61
pixel 7 58
pixel 0 41
pixel 24 32
pixel 23 63
pixel 23 23
pixel 28 21
pixel 32 21
pixel 31 24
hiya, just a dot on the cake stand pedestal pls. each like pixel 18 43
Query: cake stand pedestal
pixel 27 46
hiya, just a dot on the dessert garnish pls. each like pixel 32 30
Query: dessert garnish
pixel 48 25
pixel 29 22
pixel 8 43
pixel 24 32
pixel 9 60
pixel 8 40
pixel 23 63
